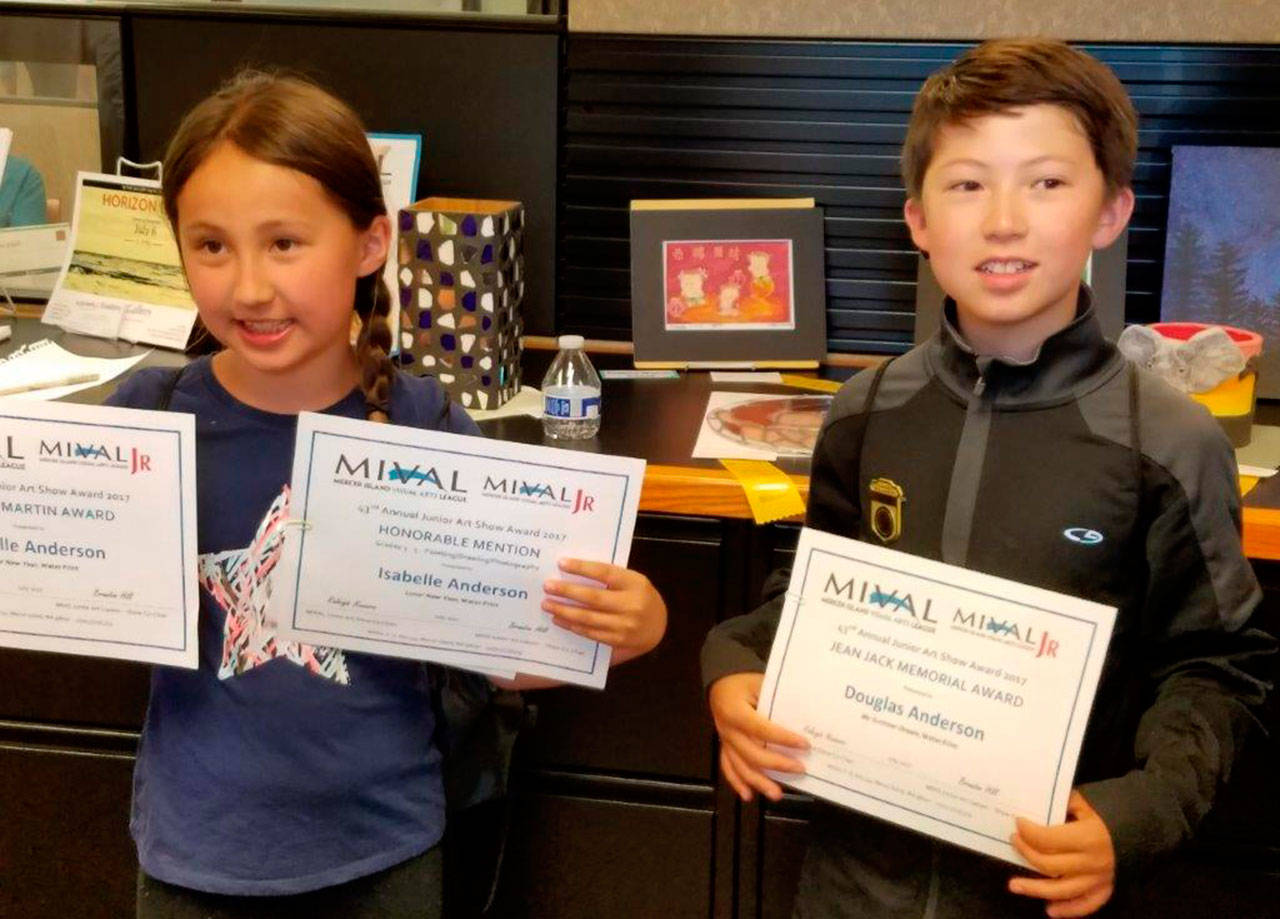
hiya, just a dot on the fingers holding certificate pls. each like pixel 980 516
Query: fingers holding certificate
pixel 443 547
pixel 97 532
pixel 943 700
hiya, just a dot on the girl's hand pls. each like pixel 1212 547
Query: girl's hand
pixel 626 612
pixel 743 734
pixel 1077 858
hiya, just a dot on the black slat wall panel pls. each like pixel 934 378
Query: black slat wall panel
pixel 689 118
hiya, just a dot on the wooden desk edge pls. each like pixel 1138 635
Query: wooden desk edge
pixel 715 493
pixel 1262 533
pixel 700 492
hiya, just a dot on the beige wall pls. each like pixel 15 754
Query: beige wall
pixel 1254 21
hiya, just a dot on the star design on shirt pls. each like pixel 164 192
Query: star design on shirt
pixel 239 581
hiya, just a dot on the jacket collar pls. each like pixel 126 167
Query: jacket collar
pixel 1067 364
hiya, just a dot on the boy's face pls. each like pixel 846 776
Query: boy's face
pixel 1010 208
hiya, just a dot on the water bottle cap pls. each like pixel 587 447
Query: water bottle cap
pixel 571 342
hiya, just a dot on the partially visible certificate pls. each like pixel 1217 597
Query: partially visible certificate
pixel 940 699
pixel 435 546
pixel 97 532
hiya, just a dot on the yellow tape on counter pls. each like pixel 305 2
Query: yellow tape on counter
pixel 770 492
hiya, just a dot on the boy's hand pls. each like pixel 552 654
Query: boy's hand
pixel 627 613
pixel 1077 857
pixel 743 734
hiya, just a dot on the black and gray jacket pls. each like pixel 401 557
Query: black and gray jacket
pixel 1076 473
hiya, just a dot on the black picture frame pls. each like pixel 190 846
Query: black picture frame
pixel 660 343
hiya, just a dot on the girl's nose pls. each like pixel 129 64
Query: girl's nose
pixel 253 286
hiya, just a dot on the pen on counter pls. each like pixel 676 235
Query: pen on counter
pixel 50 384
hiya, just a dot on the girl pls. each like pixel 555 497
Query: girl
pixel 282 778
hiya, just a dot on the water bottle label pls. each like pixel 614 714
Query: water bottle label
pixel 572 406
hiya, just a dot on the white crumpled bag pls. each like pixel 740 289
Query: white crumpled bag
pixel 1198 364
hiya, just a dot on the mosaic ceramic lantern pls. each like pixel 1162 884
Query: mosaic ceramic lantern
pixel 461 283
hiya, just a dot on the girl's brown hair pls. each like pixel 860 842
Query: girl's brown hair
pixel 288 121
pixel 1004 74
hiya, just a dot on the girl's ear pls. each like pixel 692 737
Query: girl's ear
pixel 1113 218
pixel 375 243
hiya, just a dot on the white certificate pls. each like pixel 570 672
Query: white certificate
pixel 435 546
pixel 940 699
pixel 97 532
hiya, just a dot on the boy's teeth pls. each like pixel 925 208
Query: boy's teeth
pixel 1004 267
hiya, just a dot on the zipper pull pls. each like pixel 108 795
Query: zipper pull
pixel 980 386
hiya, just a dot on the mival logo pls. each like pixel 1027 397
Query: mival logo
pixel 1083 535
pixel 74 451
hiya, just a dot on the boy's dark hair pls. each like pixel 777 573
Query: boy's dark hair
pixel 1009 73
pixel 286 120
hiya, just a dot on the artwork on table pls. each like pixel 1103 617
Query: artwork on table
pixel 727 282
pixel 1222 250
pixel 461 280
pixel 745 425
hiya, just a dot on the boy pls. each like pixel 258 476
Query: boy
pixel 1018 442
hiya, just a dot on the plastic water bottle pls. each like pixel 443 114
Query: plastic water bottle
pixel 571 393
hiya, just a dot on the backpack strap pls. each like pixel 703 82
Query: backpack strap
pixel 870 402
pixel 167 388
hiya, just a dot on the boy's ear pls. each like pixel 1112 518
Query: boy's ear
pixel 913 213
pixel 1113 218
pixel 375 244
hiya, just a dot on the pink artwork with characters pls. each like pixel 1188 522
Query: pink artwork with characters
pixel 728 284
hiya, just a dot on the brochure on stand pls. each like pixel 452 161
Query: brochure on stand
pixel 122 277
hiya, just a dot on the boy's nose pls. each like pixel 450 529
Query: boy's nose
pixel 1005 217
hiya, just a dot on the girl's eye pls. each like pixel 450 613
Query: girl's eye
pixel 209 247
pixel 285 244
pixel 965 185
pixel 1050 182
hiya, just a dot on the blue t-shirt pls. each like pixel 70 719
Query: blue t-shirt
pixel 276 768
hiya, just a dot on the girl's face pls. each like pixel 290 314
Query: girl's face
pixel 272 262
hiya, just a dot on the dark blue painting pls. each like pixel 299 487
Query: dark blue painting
pixel 1222 257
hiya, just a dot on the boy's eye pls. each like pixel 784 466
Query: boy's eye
pixel 1051 182
pixel 965 185
pixel 285 244
pixel 209 247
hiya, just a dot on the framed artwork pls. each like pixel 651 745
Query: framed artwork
pixel 727 283
pixel 1222 251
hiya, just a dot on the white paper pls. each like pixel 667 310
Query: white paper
pixel 398 156
pixel 6 141
pixel 122 277
pixel 528 401
pixel 435 546
pixel 1260 472
pixel 97 532
pixel 746 376
pixel 937 698
pixel 46 360
pixel 30 258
